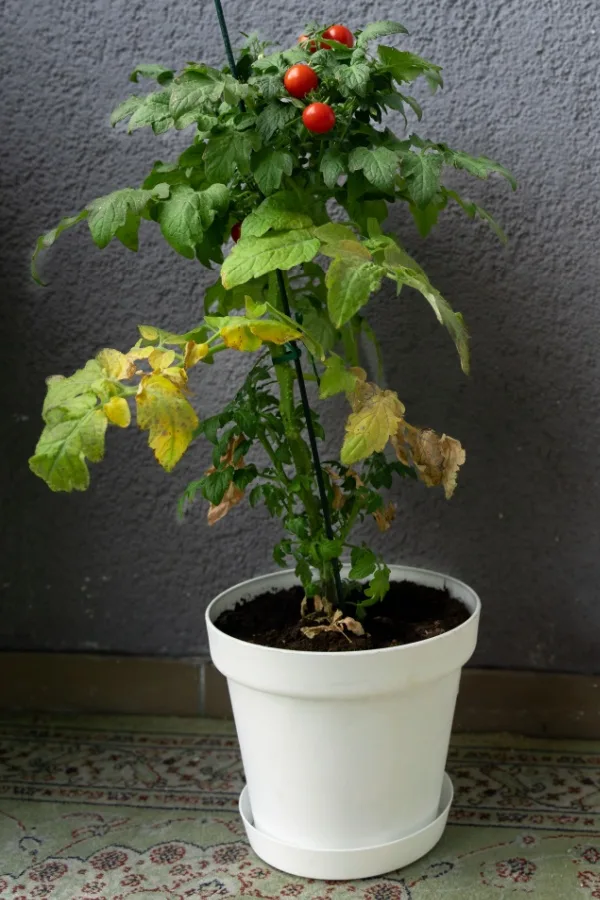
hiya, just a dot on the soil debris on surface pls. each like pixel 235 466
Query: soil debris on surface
pixel 409 613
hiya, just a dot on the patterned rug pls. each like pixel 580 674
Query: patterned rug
pixel 109 809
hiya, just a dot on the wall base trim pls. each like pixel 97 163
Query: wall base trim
pixel 491 700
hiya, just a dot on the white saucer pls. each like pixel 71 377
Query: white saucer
pixel 345 865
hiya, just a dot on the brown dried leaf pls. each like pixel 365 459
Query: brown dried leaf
pixel 436 459
pixel 352 625
pixel 233 495
pixel 385 517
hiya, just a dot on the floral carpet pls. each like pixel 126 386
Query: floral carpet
pixel 109 809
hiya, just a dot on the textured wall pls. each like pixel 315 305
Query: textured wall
pixel 113 570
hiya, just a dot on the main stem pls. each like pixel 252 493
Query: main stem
pixel 300 456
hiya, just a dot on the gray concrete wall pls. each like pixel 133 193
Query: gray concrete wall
pixel 112 570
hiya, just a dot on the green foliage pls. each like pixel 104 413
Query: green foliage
pixel 247 159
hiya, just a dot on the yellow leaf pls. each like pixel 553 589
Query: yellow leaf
pixel 194 353
pixel 161 359
pixel 435 459
pixel 275 332
pixel 177 375
pixel 116 364
pixel 239 337
pixel 165 413
pixel 117 411
pixel 140 353
pixel 376 416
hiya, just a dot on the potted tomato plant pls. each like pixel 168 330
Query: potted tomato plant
pixel 343 669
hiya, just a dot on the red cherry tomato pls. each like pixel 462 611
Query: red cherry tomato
pixel 236 232
pixel 318 117
pixel 300 80
pixel 341 34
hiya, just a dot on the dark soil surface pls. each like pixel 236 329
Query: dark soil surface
pixel 410 612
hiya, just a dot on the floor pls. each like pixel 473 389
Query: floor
pixel 115 808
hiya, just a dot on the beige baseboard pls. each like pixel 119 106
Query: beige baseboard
pixel 534 703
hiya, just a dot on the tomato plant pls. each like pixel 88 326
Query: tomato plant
pixel 300 80
pixel 248 153
pixel 318 117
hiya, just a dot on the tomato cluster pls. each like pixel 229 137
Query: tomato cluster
pixel 301 79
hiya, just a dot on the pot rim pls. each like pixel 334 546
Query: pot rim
pixel 323 654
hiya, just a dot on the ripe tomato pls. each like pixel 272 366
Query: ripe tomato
pixel 341 34
pixel 299 80
pixel 236 232
pixel 318 117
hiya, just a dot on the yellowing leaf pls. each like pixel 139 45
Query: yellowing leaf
pixel 166 414
pixel 376 416
pixel 275 332
pixel 254 310
pixel 239 337
pixel 148 332
pixel 116 364
pixel 140 353
pixel 117 411
pixel 161 359
pixel 194 353
pixel 435 459
pixel 177 375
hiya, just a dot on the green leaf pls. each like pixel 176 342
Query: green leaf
pixel 336 378
pixel 406 67
pixel 128 233
pixel 61 452
pixel 332 166
pixel 278 212
pixel 349 287
pixel 426 217
pixel 46 240
pixel 274 117
pixel 453 321
pixel 330 549
pixel 252 257
pixel 187 214
pixel 156 72
pixel 193 93
pixel 61 392
pixel 108 214
pixel 270 86
pixel 226 153
pixel 216 484
pixel 379 166
pixel 480 166
pixel 353 79
pixel 377 30
pixel 154 111
pixel 378 587
pixel 422 171
pixel 474 211
pixel 125 109
pixel 364 562
pixel 269 167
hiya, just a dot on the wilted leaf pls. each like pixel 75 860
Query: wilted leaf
pixel 167 415
pixel 436 459
pixel 117 411
pixel 376 416
pixel 233 495
pixel 384 517
pixel 194 353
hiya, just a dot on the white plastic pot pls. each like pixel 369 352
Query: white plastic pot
pixel 344 753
